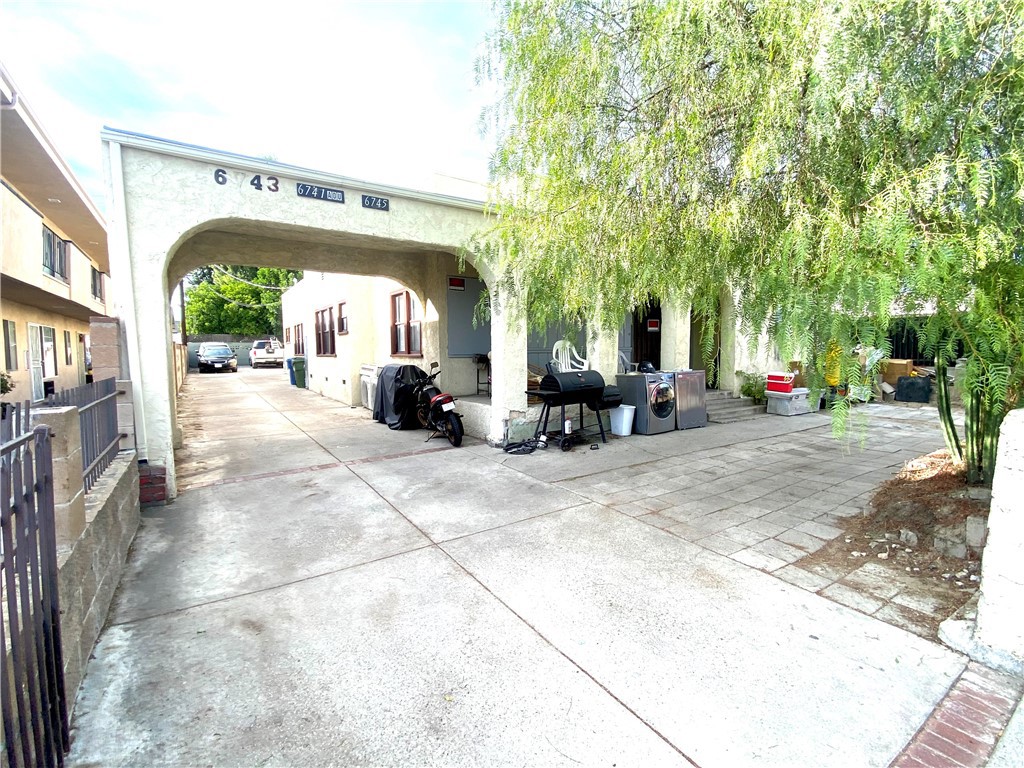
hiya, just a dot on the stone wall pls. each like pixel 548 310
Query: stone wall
pixel 90 569
pixel 93 530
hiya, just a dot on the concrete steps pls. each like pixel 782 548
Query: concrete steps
pixel 723 408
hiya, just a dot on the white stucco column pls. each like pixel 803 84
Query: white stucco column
pixel 1002 580
pixel 125 299
pixel 996 635
pixel 138 253
pixel 675 335
pixel 729 337
pixel 603 351
pixel 508 370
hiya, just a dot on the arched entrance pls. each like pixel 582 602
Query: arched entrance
pixel 177 207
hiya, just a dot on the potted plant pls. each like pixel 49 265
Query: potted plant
pixel 6 385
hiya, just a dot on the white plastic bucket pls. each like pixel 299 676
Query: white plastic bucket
pixel 622 420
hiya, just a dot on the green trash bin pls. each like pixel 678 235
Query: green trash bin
pixel 299 369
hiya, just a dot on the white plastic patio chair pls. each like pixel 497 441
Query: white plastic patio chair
pixel 568 359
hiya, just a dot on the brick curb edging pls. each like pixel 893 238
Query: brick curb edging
pixel 963 730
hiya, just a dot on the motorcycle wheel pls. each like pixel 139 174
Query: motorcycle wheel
pixel 453 429
pixel 421 416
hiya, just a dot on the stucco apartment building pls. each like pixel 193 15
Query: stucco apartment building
pixel 53 257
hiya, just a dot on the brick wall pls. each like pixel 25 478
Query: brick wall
pixel 152 484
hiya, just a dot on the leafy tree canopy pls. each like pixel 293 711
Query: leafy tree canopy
pixel 835 162
pixel 237 300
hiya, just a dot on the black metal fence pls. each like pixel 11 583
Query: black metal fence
pixel 32 698
pixel 97 413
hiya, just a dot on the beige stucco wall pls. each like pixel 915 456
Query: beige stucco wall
pixel 67 375
pixel 21 254
pixel 368 304
pixel 22 239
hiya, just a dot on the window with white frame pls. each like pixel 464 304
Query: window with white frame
pixel 10 345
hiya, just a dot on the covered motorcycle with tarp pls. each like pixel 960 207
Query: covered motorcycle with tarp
pixel 395 401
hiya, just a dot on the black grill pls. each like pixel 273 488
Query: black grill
pixel 574 388
pixel 571 388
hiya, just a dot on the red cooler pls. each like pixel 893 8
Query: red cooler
pixel 780 381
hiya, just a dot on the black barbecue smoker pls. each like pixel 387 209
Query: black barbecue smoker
pixel 582 388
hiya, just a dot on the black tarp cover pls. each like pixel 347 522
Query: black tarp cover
pixel 394 404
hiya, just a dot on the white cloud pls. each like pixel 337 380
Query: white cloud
pixel 382 91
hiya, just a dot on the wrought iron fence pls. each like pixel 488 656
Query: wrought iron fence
pixel 32 697
pixel 97 413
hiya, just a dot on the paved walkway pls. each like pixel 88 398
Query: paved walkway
pixel 325 591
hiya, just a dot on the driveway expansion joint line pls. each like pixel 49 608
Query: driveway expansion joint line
pixel 311 468
pixel 509 524
pixel 572 661
pixel 271 588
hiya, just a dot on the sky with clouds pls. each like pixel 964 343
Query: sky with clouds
pixel 382 90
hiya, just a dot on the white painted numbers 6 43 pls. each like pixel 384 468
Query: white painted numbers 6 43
pixel 257 182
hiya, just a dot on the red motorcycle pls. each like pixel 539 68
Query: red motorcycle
pixel 436 409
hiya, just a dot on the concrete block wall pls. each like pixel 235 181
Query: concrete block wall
pixel 68 488
pixel 1002 569
pixel 126 414
pixel 105 347
pixel 93 533
pixel 91 567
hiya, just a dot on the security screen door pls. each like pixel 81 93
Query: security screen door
pixel 35 360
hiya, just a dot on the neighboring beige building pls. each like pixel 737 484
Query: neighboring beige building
pixel 53 257
pixel 342 323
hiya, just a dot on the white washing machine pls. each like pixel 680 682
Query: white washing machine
pixel 654 395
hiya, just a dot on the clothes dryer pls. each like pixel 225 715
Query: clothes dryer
pixel 654 396
pixel 691 406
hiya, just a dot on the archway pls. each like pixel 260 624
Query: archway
pixel 177 207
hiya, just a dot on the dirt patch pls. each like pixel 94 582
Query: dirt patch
pixel 888 554
pixel 930 493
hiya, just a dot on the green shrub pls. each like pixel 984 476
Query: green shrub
pixel 753 386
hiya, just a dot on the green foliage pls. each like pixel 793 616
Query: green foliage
pixel 237 300
pixel 834 163
pixel 753 386
pixel 6 383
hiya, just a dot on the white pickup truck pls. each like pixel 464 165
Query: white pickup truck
pixel 266 352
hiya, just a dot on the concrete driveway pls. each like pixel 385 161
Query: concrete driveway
pixel 325 591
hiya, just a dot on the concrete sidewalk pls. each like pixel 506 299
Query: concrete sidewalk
pixel 325 591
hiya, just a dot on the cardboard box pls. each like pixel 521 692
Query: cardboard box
pixel 893 369
pixel 797 368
